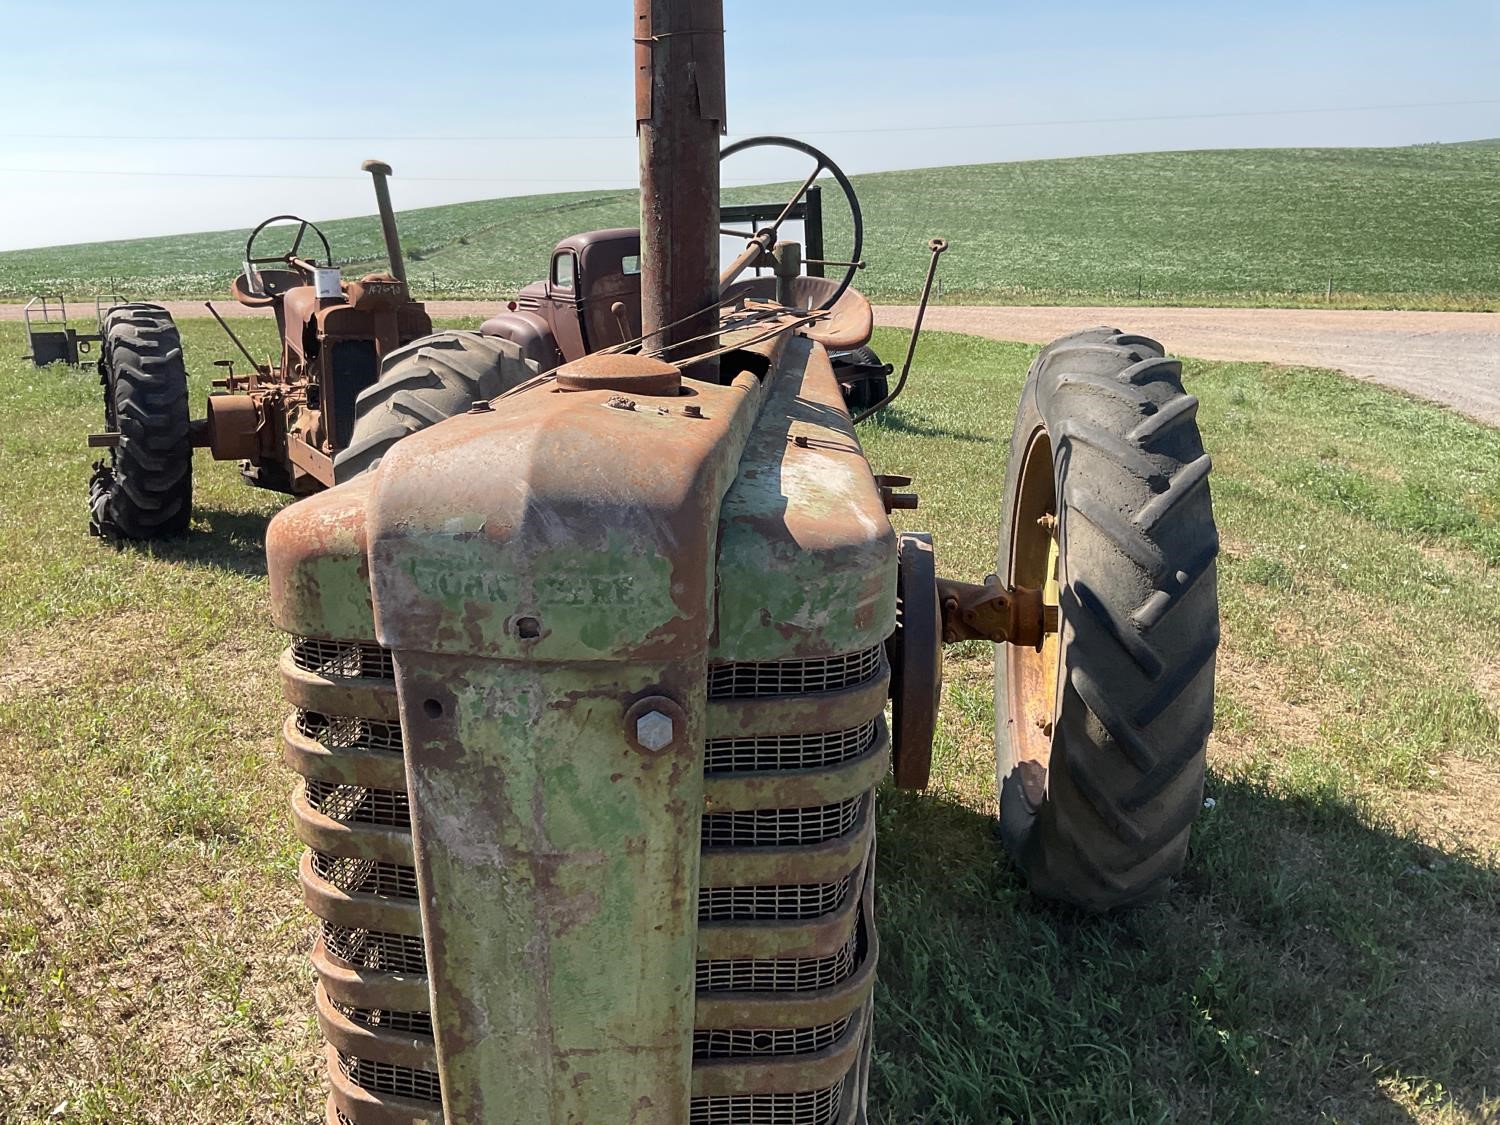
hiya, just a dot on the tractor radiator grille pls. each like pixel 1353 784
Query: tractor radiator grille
pixel 354 804
pixel 798 900
pixel 343 659
pixel 387 1078
pixel 371 949
pixel 794 677
pixel 762 828
pixel 408 1023
pixel 748 1042
pixel 815 1107
pixel 779 974
pixel 786 751
pixel 807 1005
pixel 366 876
pixel 337 732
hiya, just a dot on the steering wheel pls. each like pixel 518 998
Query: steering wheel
pixel 290 258
pixel 761 241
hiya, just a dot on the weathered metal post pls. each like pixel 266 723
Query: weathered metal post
pixel 679 109
pixel 379 170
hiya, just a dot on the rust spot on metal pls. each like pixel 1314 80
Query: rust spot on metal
pixel 630 374
pixel 989 611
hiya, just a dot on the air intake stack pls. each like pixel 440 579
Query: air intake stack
pixel 679 109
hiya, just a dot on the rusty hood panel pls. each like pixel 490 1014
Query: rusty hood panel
pixel 315 559
pixel 560 526
pixel 807 554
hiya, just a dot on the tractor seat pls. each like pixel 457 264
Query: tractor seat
pixel 274 282
pixel 847 325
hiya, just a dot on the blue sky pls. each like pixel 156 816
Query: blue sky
pixel 397 70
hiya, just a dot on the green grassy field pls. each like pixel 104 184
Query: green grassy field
pixel 1332 952
pixel 1391 228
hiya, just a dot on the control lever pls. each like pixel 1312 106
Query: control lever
pixel 937 246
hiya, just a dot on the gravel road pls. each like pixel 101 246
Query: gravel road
pixel 1449 357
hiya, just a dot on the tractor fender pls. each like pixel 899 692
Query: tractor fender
pixel 531 332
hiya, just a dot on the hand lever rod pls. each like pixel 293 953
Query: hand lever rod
pixel 937 246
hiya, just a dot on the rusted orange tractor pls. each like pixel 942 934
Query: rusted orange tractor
pixel 283 419
pixel 589 684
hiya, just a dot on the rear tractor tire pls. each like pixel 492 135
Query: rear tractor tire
pixel 145 488
pixel 423 383
pixel 1101 731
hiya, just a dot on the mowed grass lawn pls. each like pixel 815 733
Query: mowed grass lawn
pixel 1332 952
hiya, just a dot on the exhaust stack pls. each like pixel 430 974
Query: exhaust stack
pixel 379 170
pixel 679 109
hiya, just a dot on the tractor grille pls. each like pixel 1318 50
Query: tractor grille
pixel 387 1078
pixel 786 751
pixel 749 1042
pixel 354 804
pixel 337 732
pixel 793 677
pixel 763 828
pixel 779 974
pixel 815 1107
pixel 353 790
pixel 798 900
pixel 366 876
pixel 408 1023
pixel 371 949
pixel 342 659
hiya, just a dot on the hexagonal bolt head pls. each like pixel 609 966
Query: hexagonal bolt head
pixel 653 730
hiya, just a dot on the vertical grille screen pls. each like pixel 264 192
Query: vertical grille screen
pixel 786 751
pixel 779 974
pixel 761 828
pixel 342 659
pixel 815 1107
pixel 793 677
pixel 800 900
pixel 366 876
pixel 387 1078
pixel 337 732
pixel 371 949
pixel 354 804
pixel 795 1027
pixel 408 1023
pixel 748 1042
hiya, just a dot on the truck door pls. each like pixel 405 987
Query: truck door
pixel 564 290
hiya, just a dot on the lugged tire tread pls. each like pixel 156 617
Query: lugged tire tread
pixel 1140 620
pixel 424 383
pixel 147 490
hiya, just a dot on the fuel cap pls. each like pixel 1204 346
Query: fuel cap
pixel 627 374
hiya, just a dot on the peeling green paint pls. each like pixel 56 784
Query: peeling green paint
pixel 807 555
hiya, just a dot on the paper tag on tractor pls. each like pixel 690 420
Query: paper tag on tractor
pixel 328 282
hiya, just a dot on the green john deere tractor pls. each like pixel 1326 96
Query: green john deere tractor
pixel 593 684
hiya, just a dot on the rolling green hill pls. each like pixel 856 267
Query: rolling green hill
pixel 1415 227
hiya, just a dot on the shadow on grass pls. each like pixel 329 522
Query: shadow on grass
pixel 901 423
pixel 227 540
pixel 1310 965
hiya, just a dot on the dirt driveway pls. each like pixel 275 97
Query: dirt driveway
pixel 1449 357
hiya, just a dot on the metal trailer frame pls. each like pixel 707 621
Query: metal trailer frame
pixel 49 336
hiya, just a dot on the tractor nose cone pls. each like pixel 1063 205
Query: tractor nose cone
pixel 627 374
